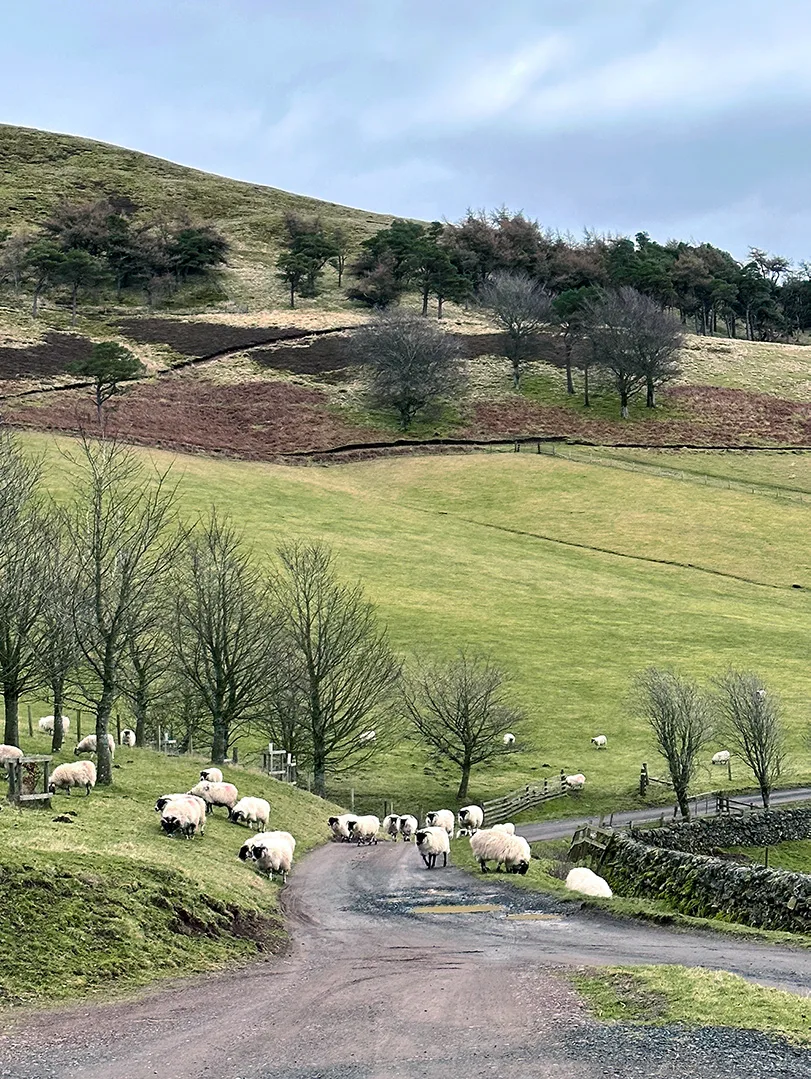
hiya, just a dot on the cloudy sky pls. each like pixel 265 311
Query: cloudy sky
pixel 688 119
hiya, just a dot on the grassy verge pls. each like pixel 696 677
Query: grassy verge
pixel 792 856
pixel 108 902
pixel 657 995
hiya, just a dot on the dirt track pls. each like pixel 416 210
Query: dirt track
pixel 373 989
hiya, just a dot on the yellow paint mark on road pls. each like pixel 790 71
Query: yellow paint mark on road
pixel 470 908
pixel 534 917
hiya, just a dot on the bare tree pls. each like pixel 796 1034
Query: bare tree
pixel 520 306
pixel 413 362
pixel 349 671
pixel 121 530
pixel 224 631
pixel 634 342
pixel 752 725
pixel 461 709
pixel 679 717
pixel 145 681
pixel 286 718
pixel 56 645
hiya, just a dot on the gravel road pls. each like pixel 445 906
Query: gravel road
pixel 374 987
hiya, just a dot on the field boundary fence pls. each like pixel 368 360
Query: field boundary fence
pixel 498 810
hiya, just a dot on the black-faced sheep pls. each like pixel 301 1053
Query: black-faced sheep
pixel 508 739
pixel 431 842
pixel 340 826
pixel 216 794
pixel 364 829
pixel 441 818
pixel 583 880
pixel 511 851
pixel 271 852
pixel 391 826
pixel 408 826
pixel 73 774
pixel 471 819
pixel 183 815
pixel 128 738
pixel 212 775
pixel 255 812
pixel 46 724
pixel 600 741
pixel 88 745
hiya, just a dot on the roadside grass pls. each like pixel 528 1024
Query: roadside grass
pixel 109 902
pixel 793 856
pixel 694 996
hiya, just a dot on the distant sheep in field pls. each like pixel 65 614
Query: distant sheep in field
pixel 364 829
pixel 508 828
pixel 408 826
pixel 511 851
pixel 340 826
pixel 88 745
pixel 46 724
pixel 600 741
pixel 216 794
pixel 73 774
pixel 211 775
pixel 431 842
pixel 271 852
pixel 255 812
pixel 508 739
pixel 583 880
pixel 441 818
pixel 128 738
pixel 391 826
pixel 576 782
pixel 367 737
pixel 721 757
pixel 471 819
pixel 9 754
pixel 184 815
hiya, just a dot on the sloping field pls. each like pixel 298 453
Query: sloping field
pixel 574 575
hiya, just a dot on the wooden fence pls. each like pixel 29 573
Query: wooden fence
pixel 590 839
pixel 502 809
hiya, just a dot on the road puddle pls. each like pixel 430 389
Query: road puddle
pixel 534 916
pixel 460 908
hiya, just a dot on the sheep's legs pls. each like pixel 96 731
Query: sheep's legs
pixel 444 859
pixel 483 865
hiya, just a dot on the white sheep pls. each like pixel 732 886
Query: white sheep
pixel 364 829
pixel 73 774
pixel 128 738
pixel 721 757
pixel 511 851
pixel 600 741
pixel 216 794
pixel 46 724
pixel 184 814
pixel 271 852
pixel 441 818
pixel 340 826
pixel 164 798
pixel 408 826
pixel 508 739
pixel 367 737
pixel 212 775
pixel 508 828
pixel 431 842
pixel 583 880
pixel 576 782
pixel 9 754
pixel 254 812
pixel 391 825
pixel 471 819
pixel 88 745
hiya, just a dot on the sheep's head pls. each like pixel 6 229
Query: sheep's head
pixel 421 836
pixel 332 822
pixel 170 824
pixel 244 852
pixel 521 867
pixel 236 815
pixel 77 750
pixel 51 788
pixel 430 819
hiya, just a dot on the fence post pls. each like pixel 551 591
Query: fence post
pixel 643 779
pixel 235 758
pixel 729 768
pixel 118 728
pixel 160 743
pixel 78 725
pixel 30 723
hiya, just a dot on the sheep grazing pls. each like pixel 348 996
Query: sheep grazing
pixel 471 819
pixel 431 842
pixel 508 828
pixel 254 812
pixel 508 739
pixel 364 829
pixel 164 798
pixel 600 741
pixel 128 738
pixel 576 782
pixel 511 851
pixel 271 852
pixel 211 775
pixel 46 724
pixel 367 737
pixel 73 774
pixel 88 745
pixel 9 754
pixel 391 826
pixel 216 794
pixel 340 826
pixel 721 757
pixel 184 815
pixel 441 818
pixel 408 826
pixel 583 880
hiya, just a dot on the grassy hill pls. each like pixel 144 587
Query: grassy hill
pixel 108 902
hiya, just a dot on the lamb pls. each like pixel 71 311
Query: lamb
pixel 271 851
pixel 73 774
pixel 721 757
pixel 9 754
pixel 471 819
pixel 408 826
pixel 184 814
pixel 340 826
pixel 431 842
pixel 128 738
pixel 216 794
pixel 391 825
pixel 46 724
pixel 441 818
pixel 507 828
pixel 508 739
pixel 364 829
pixel 576 782
pixel 511 851
pixel 600 741
pixel 88 745
pixel 212 775
pixel 251 811
pixel 583 880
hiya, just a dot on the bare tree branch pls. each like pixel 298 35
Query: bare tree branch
pixel 752 725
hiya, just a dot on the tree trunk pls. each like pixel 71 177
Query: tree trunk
pixel 650 395
pixel 292 294
pixel 11 702
pixel 139 708
pixel 319 773
pixel 59 733
pixel 464 781
pixel 35 304
pixel 623 404
pixel 569 382
pixel 765 795
pixel 586 398
pixel 219 744
pixel 425 296
pixel 516 373
pixel 340 273
pixel 104 760
pixel 684 803
pixel 440 300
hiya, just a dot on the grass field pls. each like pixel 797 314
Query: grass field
pixel 109 902
pixel 559 568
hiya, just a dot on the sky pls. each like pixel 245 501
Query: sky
pixel 687 119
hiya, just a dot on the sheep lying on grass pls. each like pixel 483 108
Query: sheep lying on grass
pixel 88 745
pixel 73 774
pixel 583 880
pixel 271 852
pixel 408 826
pixel 441 818
pixel 511 851
pixel 471 819
pixel 46 724
pixel 255 812
pixel 216 794
pixel 128 738
pixel 340 826
pixel 364 829
pixel 431 842
pixel 213 775
pixel 184 815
